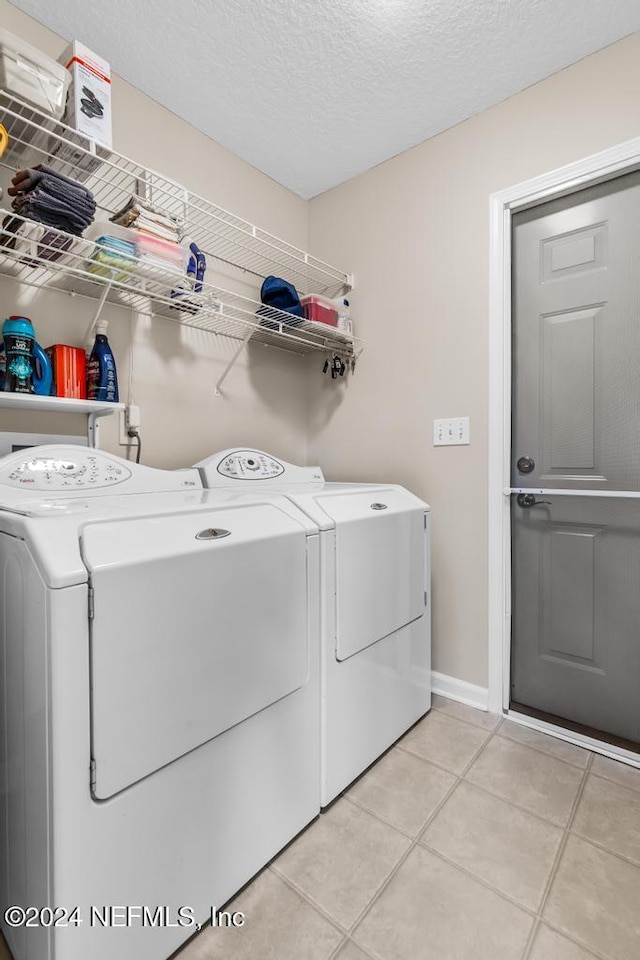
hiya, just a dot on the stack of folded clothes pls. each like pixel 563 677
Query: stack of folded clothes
pixel 113 258
pixel 50 198
pixel 157 235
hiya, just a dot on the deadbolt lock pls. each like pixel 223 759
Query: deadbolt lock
pixel 525 464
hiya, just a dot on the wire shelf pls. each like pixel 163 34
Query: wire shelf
pixel 112 178
pixel 57 260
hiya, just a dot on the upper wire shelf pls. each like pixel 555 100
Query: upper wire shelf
pixel 64 262
pixel 112 178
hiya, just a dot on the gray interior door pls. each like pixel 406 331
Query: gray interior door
pixel 576 430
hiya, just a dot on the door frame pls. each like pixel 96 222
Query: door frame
pixel 594 169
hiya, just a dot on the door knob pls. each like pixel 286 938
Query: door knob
pixel 526 500
pixel 525 464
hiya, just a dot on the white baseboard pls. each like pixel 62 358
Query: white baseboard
pixel 459 690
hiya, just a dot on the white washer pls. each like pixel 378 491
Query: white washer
pixel 160 685
pixel 375 619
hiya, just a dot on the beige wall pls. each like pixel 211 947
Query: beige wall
pixel 415 231
pixel 174 368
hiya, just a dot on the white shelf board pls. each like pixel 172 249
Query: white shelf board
pixel 31 401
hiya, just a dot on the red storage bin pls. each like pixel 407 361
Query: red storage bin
pixel 320 310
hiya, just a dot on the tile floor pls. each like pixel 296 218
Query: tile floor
pixel 470 840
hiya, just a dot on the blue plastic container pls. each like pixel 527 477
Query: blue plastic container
pixel 27 367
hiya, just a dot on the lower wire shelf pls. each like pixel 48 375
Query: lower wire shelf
pixel 59 261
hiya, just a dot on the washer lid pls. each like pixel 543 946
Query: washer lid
pixel 200 621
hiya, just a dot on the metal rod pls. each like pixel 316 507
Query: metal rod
pixel 101 302
pixel 229 366
pixel 553 492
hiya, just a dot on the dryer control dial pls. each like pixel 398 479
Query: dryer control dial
pixel 84 471
pixel 249 465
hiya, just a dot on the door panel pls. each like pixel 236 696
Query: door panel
pixel 190 636
pixel 576 611
pixel 575 648
pixel 576 339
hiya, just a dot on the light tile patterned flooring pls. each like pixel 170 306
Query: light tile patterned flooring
pixel 470 840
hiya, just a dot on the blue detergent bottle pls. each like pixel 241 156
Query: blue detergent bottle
pixel 102 378
pixel 27 368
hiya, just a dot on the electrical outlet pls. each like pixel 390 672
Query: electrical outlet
pixel 129 418
pixel 124 440
pixel 451 432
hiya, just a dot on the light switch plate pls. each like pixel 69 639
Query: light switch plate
pixel 454 431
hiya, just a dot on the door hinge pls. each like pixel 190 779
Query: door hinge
pixel 426 598
pixel 91 604
pixel 425 521
pixel 92 775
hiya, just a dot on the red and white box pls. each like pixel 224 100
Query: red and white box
pixel 89 104
pixel 320 310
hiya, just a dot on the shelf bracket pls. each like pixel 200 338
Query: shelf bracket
pixel 93 432
pixel 101 302
pixel 227 370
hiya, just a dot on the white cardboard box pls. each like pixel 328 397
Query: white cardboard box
pixel 89 104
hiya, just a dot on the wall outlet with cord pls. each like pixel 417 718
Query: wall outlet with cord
pixel 129 425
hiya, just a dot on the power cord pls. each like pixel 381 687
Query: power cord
pixel 133 433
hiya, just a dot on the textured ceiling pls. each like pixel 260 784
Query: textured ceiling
pixel 312 92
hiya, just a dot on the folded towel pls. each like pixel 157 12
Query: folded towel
pixel 42 197
pixel 48 197
pixel 56 184
pixel 24 180
pixel 109 265
pixel 163 249
pixel 44 208
pixel 159 263
pixel 149 219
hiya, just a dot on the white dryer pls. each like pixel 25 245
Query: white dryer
pixel 160 698
pixel 375 609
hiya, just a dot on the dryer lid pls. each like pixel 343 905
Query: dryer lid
pixel 381 555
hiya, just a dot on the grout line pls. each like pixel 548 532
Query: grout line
pixel 536 914
pixel 312 903
pixel 470 723
pixel 547 753
pixel 361 806
pixel 518 806
pixel 334 953
pixel 434 763
pixel 414 841
pixel 530 911
pixel 605 849
pixel 489 735
pixel 618 783
pixel 349 939
pixel 592 951
pixel 556 863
